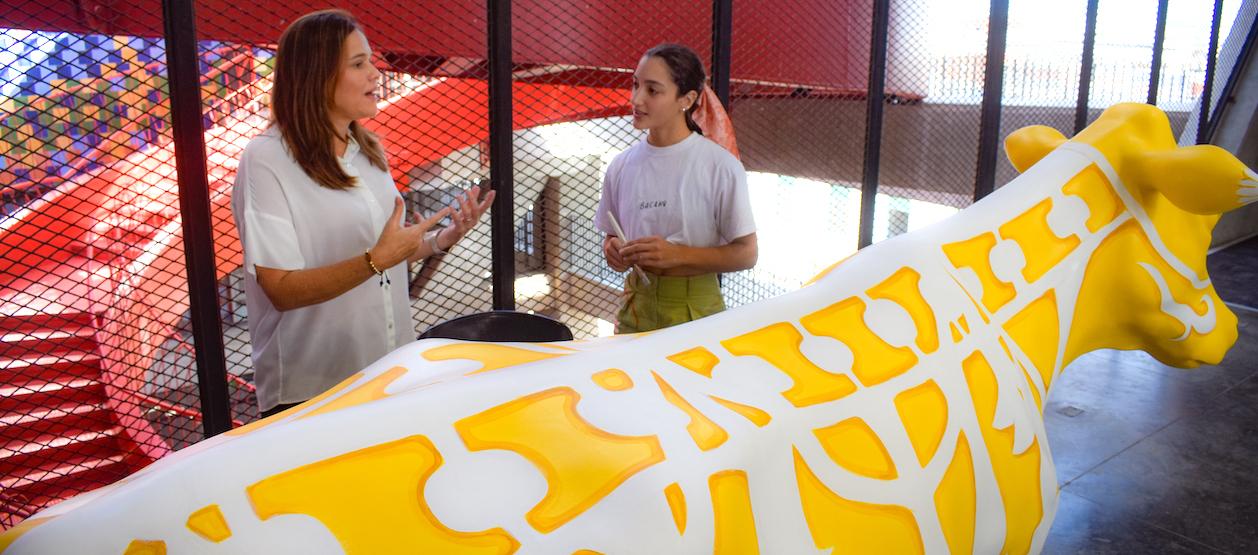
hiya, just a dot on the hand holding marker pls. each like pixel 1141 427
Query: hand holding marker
pixel 620 234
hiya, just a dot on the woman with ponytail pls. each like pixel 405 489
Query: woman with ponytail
pixel 321 222
pixel 679 198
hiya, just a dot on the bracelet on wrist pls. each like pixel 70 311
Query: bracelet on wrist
pixel 384 278
pixel 430 238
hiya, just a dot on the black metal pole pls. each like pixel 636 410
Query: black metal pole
pixel 1085 69
pixel 993 90
pixel 194 207
pixel 501 178
pixel 874 103
pixel 722 33
pixel 1207 92
pixel 1229 88
pixel 1159 39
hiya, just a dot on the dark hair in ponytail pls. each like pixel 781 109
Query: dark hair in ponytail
pixel 687 72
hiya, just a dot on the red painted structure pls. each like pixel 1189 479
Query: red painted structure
pixel 828 39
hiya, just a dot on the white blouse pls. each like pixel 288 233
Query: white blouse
pixel 289 222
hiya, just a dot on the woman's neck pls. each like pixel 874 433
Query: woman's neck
pixel 340 137
pixel 668 135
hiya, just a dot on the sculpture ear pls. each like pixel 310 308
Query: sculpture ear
pixel 1202 179
pixel 1028 145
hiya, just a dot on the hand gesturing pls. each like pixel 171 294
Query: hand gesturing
pixel 398 241
pixel 464 215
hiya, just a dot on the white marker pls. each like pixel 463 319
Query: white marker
pixel 620 234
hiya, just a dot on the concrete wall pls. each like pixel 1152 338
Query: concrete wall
pixel 929 151
pixel 1238 133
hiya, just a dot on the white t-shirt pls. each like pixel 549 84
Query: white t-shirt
pixel 289 222
pixel 692 193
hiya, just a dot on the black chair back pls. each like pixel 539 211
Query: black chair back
pixel 501 325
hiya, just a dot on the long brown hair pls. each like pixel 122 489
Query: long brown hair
pixel 307 65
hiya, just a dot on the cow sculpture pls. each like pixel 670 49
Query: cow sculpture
pixel 892 405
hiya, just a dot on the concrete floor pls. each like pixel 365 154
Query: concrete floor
pixel 1155 459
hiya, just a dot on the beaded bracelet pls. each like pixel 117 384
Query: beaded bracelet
pixel 384 278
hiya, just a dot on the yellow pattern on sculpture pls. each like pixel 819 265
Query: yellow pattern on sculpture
pixel 706 433
pixel 778 345
pixel 855 446
pixel 758 417
pixel 1094 188
pixel 903 289
pixel 490 355
pixel 847 526
pixel 1017 474
pixel 12 534
pixel 1036 330
pixel 924 412
pixel 613 379
pixel 372 500
pixel 976 254
pixel 208 522
pixel 1035 392
pixel 956 499
pixel 373 390
pixel 581 463
pixel 676 505
pixel 1041 248
pixel 732 512
pixel 698 360
pixel 262 423
pixel 146 547
pixel 873 360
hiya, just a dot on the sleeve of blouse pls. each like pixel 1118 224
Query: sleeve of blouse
pixel 735 218
pixel 264 218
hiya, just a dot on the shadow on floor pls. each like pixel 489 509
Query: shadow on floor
pixel 1155 459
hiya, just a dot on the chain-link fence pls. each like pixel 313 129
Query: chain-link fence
pixel 1041 74
pixel 98 366
pixel 92 300
pixel 798 106
pixel 930 140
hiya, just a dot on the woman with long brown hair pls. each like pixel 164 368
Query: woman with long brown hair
pixel 322 225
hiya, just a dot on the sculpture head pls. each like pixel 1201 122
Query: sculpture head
pixel 1146 287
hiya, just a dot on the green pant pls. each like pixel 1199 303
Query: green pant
pixel 667 301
